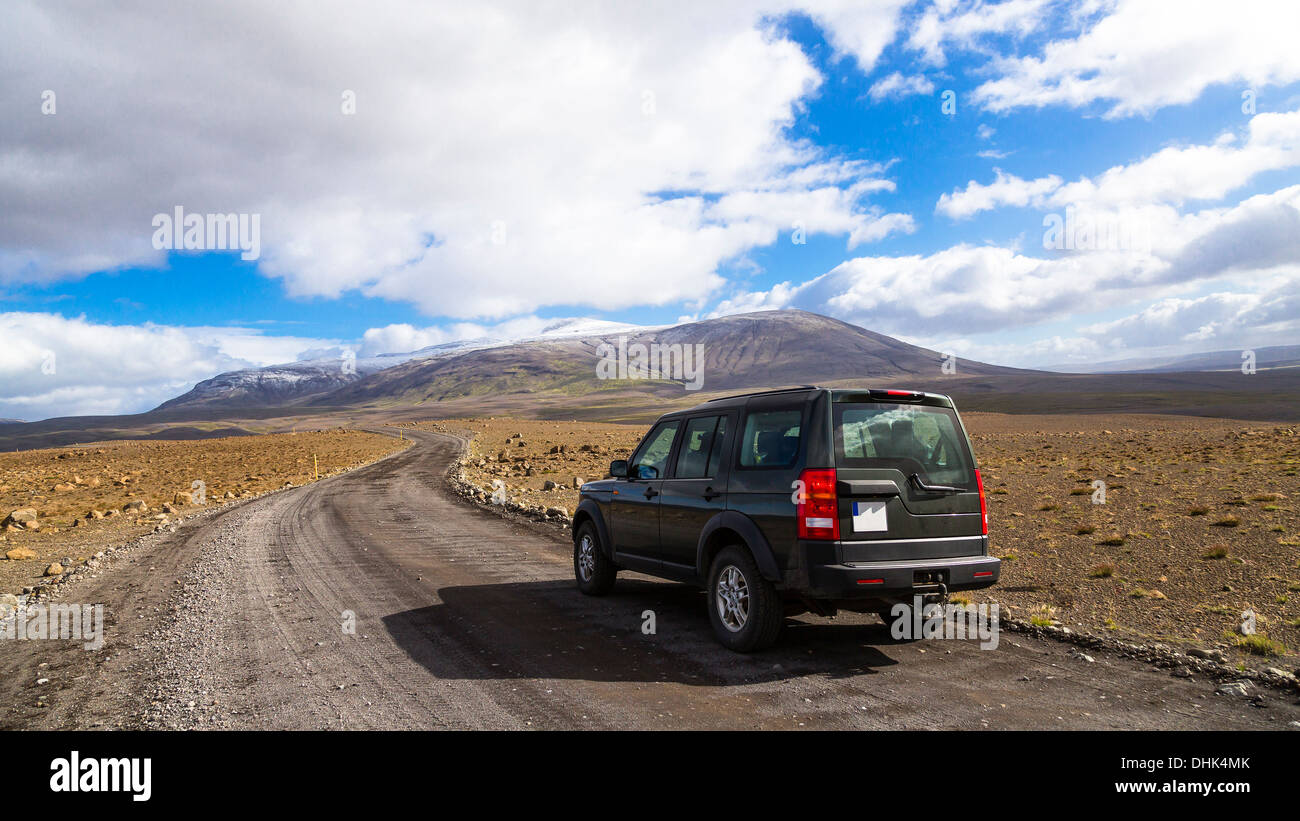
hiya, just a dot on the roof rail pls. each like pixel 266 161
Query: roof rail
pixel 766 393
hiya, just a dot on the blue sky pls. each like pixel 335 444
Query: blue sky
pixel 643 166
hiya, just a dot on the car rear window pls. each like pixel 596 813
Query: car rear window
pixel 771 438
pixel 910 438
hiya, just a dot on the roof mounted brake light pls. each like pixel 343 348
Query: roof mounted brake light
pixel 907 396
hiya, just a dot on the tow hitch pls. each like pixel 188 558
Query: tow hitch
pixel 931 586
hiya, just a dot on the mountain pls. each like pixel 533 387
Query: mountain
pixel 739 352
pixel 555 374
pixel 276 385
pixel 295 383
pixel 1277 356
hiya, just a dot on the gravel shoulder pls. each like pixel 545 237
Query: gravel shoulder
pixel 468 619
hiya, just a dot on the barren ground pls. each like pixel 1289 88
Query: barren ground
pixel 379 599
pixel 64 486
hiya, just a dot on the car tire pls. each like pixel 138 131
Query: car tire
pixel 744 608
pixel 592 569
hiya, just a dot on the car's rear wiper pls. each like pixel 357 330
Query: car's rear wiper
pixel 920 483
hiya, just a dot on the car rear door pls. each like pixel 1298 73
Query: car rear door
pixel 907 483
pixel 695 490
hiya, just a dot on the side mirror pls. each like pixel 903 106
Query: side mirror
pixel 618 468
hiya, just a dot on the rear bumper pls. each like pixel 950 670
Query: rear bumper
pixel 897 578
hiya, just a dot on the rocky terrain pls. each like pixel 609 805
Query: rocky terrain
pixel 60 506
pixel 1199 522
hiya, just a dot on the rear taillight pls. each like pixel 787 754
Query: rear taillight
pixel 984 508
pixel 818 511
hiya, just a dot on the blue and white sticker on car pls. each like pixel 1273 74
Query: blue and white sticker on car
pixel 869 517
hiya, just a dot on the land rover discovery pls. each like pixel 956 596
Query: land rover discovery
pixel 792 501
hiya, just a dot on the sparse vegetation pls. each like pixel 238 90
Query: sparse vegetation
pixel 1257 644
pixel 1217 551
pixel 1101 571
pixel 1141 593
pixel 1044 615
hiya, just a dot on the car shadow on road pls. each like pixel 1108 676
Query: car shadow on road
pixel 547 629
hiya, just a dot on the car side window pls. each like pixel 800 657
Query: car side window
pixel 696 447
pixel 652 457
pixel 715 455
pixel 771 439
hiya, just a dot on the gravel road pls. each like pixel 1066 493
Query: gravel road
pixel 465 619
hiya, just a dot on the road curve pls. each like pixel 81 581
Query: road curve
pixel 468 619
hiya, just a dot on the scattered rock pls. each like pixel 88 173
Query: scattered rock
pixel 1235 688
pixel 23 516
pixel 55 569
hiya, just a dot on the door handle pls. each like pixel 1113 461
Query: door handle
pixel 710 494
pixel 650 493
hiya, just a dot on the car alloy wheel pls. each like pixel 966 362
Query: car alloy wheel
pixel 731 596
pixel 586 557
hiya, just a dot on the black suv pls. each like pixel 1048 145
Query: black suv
pixel 793 501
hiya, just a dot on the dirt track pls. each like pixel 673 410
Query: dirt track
pixel 468 620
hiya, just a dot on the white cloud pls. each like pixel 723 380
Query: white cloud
pixel 964 24
pixel 1142 55
pixel 1006 189
pixel 897 86
pixel 1251 249
pixel 54 366
pixel 860 29
pixel 1173 175
pixel 502 157
pixel 1227 318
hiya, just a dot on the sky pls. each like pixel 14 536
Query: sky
pixel 1026 182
